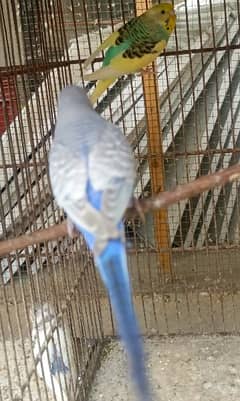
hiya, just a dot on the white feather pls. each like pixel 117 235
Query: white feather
pixel 53 348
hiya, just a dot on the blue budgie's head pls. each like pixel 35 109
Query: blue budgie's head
pixel 73 97
pixel 73 106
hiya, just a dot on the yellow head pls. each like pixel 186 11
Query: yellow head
pixel 165 14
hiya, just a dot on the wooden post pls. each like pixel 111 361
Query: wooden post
pixel 151 97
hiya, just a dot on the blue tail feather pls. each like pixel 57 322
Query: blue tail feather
pixel 112 265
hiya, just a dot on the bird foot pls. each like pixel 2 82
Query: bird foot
pixel 137 205
pixel 71 229
pixel 148 70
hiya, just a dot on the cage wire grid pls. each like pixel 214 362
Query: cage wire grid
pixel 182 120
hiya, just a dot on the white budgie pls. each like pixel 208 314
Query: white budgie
pixel 58 367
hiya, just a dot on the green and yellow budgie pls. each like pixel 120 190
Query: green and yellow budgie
pixel 135 45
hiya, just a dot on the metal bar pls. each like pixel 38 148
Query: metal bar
pixel 45 67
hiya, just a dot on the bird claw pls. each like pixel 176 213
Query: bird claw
pixel 137 205
pixel 71 229
pixel 148 70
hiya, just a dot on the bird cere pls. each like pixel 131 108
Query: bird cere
pixel 135 45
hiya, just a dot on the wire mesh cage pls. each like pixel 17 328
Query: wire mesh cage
pixel 181 118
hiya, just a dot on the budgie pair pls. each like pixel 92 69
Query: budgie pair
pixel 56 364
pixel 135 45
pixel 92 169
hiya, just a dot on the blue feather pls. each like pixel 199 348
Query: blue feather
pixel 112 265
pixel 58 365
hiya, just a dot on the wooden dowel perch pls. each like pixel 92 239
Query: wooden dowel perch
pixel 156 202
pixel 156 166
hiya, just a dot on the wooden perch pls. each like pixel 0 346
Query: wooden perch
pixel 156 202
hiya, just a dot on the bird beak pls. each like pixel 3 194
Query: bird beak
pixel 172 13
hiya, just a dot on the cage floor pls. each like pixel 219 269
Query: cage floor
pixel 182 368
pixel 13 371
pixel 185 368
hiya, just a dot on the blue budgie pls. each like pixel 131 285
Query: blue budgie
pixel 53 346
pixel 92 173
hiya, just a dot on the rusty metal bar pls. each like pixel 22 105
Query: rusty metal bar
pixel 45 67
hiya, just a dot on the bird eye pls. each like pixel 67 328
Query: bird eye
pixel 163 11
